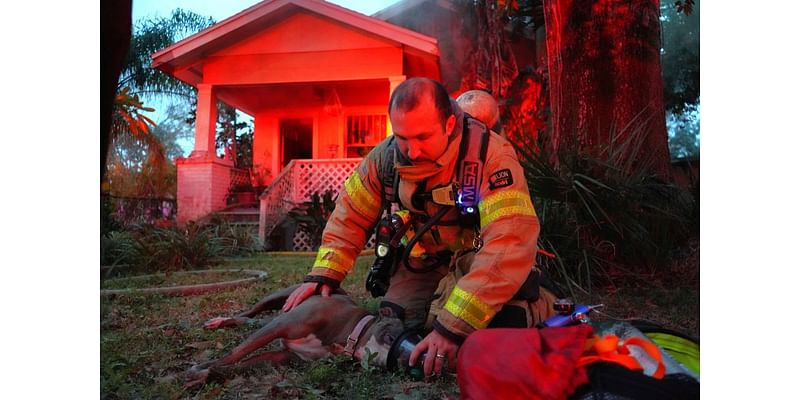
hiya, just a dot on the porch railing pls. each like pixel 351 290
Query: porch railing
pixel 239 177
pixel 295 185
pixel 139 210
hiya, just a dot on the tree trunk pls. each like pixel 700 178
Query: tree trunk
pixel 491 66
pixel 115 39
pixel 605 78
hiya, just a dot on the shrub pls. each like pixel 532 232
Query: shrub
pixel 234 240
pixel 117 248
pixel 604 214
pixel 148 248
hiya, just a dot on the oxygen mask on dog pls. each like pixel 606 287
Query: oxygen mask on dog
pixel 401 350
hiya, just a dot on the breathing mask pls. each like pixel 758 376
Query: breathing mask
pixel 400 353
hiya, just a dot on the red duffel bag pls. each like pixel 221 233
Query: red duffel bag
pixel 511 363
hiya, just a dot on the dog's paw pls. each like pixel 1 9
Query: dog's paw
pixel 196 376
pixel 219 322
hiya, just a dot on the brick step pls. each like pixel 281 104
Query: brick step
pixel 239 215
pixel 242 219
pixel 244 223
pixel 239 211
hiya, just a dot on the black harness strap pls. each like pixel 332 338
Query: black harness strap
pixel 471 156
pixel 469 173
pixel 389 177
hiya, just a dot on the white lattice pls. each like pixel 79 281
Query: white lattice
pixel 239 177
pixel 319 176
pixel 295 185
pixel 302 242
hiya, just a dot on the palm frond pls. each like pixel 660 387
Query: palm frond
pixel 601 210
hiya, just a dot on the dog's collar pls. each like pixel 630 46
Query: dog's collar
pixel 352 340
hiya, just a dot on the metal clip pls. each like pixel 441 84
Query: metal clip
pixel 477 242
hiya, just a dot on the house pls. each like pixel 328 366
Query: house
pixel 316 78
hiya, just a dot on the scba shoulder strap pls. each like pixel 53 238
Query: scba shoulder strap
pixel 388 174
pixel 471 157
pixel 463 191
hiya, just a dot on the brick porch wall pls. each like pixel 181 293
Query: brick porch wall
pixel 202 187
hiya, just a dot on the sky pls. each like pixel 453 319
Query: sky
pixel 220 10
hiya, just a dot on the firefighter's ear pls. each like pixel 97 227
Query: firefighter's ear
pixel 450 125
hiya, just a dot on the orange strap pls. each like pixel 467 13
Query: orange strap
pixel 609 349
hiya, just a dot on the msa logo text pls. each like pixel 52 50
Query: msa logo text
pixel 469 182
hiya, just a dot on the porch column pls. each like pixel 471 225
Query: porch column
pixel 394 82
pixel 203 178
pixel 205 123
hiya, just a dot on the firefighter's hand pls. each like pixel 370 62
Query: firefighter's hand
pixel 439 349
pixel 305 291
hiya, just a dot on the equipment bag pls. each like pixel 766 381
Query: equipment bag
pixel 573 362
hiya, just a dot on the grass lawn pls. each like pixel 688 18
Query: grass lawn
pixel 147 342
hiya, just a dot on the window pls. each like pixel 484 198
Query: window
pixel 363 133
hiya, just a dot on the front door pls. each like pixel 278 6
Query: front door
pixel 296 138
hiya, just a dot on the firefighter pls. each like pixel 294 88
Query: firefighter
pixel 486 260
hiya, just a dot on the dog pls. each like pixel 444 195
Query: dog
pixel 317 328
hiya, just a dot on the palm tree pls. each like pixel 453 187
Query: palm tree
pixel 130 128
pixel 149 37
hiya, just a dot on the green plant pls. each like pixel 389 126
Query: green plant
pixel 603 213
pixel 108 227
pixel 117 248
pixel 235 240
pixel 108 223
pixel 195 246
pixel 366 362
pixel 166 249
pixel 324 371
pixel 312 216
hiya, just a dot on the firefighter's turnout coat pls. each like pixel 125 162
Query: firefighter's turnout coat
pixel 508 225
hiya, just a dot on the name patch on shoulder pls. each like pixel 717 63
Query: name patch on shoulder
pixel 500 179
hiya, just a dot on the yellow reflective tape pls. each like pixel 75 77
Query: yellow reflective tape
pixel 466 306
pixel 362 199
pixel 500 204
pixel 333 259
pixel 417 251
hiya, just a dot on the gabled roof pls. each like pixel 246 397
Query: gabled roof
pixel 257 17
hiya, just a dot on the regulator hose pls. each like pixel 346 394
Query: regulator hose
pixel 425 228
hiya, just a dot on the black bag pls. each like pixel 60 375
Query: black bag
pixel 613 382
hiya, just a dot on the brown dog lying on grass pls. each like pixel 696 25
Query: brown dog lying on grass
pixel 317 328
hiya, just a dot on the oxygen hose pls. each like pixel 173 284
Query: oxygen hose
pixel 425 228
